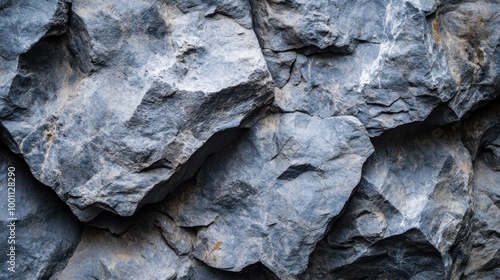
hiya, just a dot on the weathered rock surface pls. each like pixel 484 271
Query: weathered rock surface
pixel 246 125
pixel 45 232
pixel 481 132
pixel 408 216
pixel 482 137
pixel 154 248
pixel 141 253
pixel 116 108
pixel 22 24
pixel 269 197
pixel 386 62
pixel 484 260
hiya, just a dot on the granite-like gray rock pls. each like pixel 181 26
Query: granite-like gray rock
pixel 327 25
pixel 119 110
pixel 270 196
pixel 245 126
pixel 386 62
pixel 408 217
pixel 140 253
pixel 22 24
pixel 44 232
pixel 469 34
pixel 482 138
pixel 154 248
pixel 484 257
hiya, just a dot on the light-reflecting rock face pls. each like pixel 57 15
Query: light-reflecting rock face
pixel 252 139
pixel 386 62
pixel 113 110
pixel 269 197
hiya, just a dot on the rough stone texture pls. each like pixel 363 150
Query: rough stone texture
pixel 141 253
pixel 480 132
pixel 482 137
pixel 223 139
pixel 23 24
pixel 470 37
pixel 484 261
pixel 408 215
pixel 279 186
pixel 154 248
pixel 116 108
pixel 387 62
pixel 46 233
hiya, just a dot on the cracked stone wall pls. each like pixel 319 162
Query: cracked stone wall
pixel 251 139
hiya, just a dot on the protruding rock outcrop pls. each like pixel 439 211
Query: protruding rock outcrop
pixel 115 109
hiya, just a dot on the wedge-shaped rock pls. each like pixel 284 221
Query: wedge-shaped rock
pixel 409 216
pixel 269 197
pixel 115 109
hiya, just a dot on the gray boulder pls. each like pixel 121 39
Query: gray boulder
pixel 120 109
pixel 270 196
pixel 388 63
pixel 45 232
pixel 409 216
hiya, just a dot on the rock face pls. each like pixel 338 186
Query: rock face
pixel 113 110
pixel 386 62
pixel 269 139
pixel 408 215
pixel 154 248
pixel 281 197
pixel 141 253
pixel 280 185
pixel 39 233
pixel 23 24
pixel 485 254
pixel 482 137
